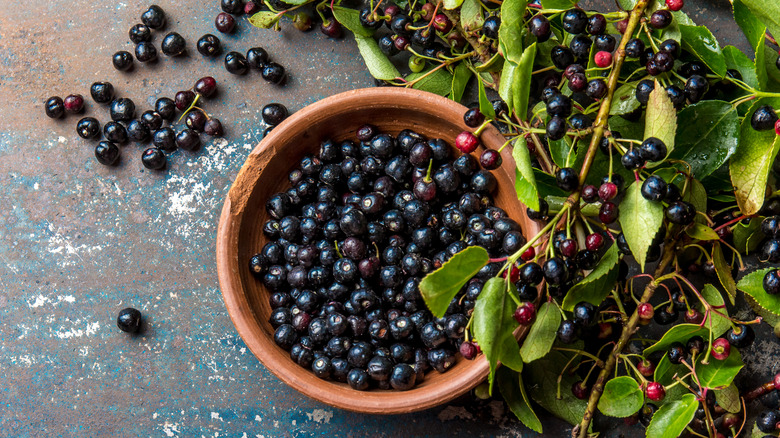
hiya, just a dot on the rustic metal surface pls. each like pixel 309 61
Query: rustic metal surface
pixel 80 241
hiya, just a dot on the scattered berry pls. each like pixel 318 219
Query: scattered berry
pixel 153 159
pixel 209 45
pixel 257 58
pixel 225 22
pixel 236 63
pixel 55 108
pixel 154 17
pixel 145 52
pixel 140 33
pixel 603 59
pixel 274 113
pixel 173 44
pixel 107 153
pixel 122 60
pixel 129 320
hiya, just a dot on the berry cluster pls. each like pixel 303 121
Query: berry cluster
pixel 140 34
pixel 257 59
pixel 349 242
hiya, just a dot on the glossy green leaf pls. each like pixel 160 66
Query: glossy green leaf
pixel 739 61
pixel 264 19
pixel 505 85
pixel 350 18
pixel 543 374
pixel 542 334
pixel 440 286
pixel 751 163
pixel 559 151
pixel 768 12
pixel 598 284
pixel 624 100
pixel 627 129
pixel 378 65
pixel 719 373
pixel 661 119
pixel 678 333
pixel 452 4
pixel 706 136
pixel 485 106
pixel 493 325
pixel 748 235
pixel 460 79
pixel 622 397
pixel 558 4
pixel 700 41
pixel 770 66
pixel 665 373
pixel 762 76
pixel 701 232
pixel 471 15
pixel 510 34
pixel 627 4
pixel 753 285
pixel 728 398
pixel 438 82
pixel 521 82
pixel 672 418
pixel 495 63
pixel 717 323
pixel 512 390
pixel 525 180
pixel 751 26
pixel 766 316
pixel 723 271
pixel 696 195
pixel 640 220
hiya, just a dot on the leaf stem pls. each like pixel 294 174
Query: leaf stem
pixel 481 48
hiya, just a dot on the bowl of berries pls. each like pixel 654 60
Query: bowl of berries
pixel 332 222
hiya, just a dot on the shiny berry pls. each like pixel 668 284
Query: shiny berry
pixel 655 391
pixel 442 23
pixel 597 24
pixel 646 367
pixel 235 63
pixel 490 27
pixel 562 57
pixel 490 159
pixel 122 60
pixel 173 44
pixel 101 92
pixel 166 108
pixel 580 390
pixel 235 7
pixel 764 118
pixel 555 271
pixel 674 5
pixel 188 140
pixel 107 153
pixel 608 191
pixel 145 52
pixel 138 131
pixel 741 336
pixel 466 142
pixel 584 313
pixel 681 213
pixel 643 90
pixel 209 45
pixel 164 139
pixel 154 17
pixel 567 332
pixel 273 73
pixel 594 241
pixel 213 127
pixel 129 320
pixel 525 314
pixel 473 118
pixel 115 132
pixel 661 19
pixel 331 28
pixel 152 119
pixel 721 348
pixel 608 213
pixel 635 47
pixel 575 21
pixel 653 149
pixel 196 120
pixel 274 113
pixel 140 33
pixel 603 59
pixel 654 188
pixel 225 22
pixel 556 128
pixel 153 159
pixel 768 421
pixel 88 127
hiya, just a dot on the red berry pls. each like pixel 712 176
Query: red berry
pixel 608 213
pixel 206 86
pixel 594 241
pixel 674 5
pixel 569 248
pixel 331 28
pixel 225 22
pixel 528 254
pixel 401 43
pixel 466 142
pixel 645 311
pixel 603 59
pixel 777 127
pixel 655 391
pixel 427 10
pixel 776 381
pixel 442 23
pixel 580 390
pixel 721 348
pixel 607 191
pixel 468 350
pixel 605 330
pixel 525 314
pixel 490 159
pixel 646 367
pixel 589 192
pixel 621 25
pixel 74 103
pixel 693 316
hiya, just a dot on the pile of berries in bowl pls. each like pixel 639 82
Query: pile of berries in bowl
pixel 330 226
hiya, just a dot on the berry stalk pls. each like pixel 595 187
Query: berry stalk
pixel 481 48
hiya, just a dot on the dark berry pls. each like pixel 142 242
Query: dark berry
pixel 115 132
pixel 559 105
pixel 196 120
pixel 490 27
pixel 653 149
pixel 741 336
pixel 580 46
pixel 235 63
pixel 490 159
pixel 209 45
pixel 235 7
pixel 666 315
pixel 764 118
pixel 556 128
pixel 88 127
pixel 140 33
pixel 643 90
pixel 152 119
pixel 274 113
pixel 632 159
pixel 145 52
pixel 473 118
pixel 567 332
pixel 681 213
pixel 102 92
pixel 122 109
pixel 331 28
pixel 225 22
pixel 122 60
pixel 166 108
pixel 358 379
pixel 654 188
pixel 187 139
pixel 661 19
pixel 129 320
pixel 206 86
pixel 107 153
pixel 55 108
pixel 597 25
pixel 768 421
pixel 213 127
pixel 539 26
pixel 635 47
pixel 608 213
pixel 562 57
pixel 555 271
pixel 575 21
pixel 285 336
pixel 138 131
pixel 677 353
pixel 173 44
pixel 596 88
pixel 695 88
pixel 676 95
pixel 567 179
pixel 164 139
pixel 153 158
pixel 541 214
pixel 273 73
pixel 154 17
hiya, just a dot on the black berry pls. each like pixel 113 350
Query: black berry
pixel 154 159
pixel 122 60
pixel 107 153
pixel 129 320
pixel 173 44
pixel 154 17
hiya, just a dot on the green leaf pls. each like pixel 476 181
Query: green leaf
pixel 350 18
pixel 719 373
pixel 452 4
pixel 512 389
pixel 678 333
pixel 751 26
pixel 438 82
pixel 471 15
pixel 622 397
pixel 460 79
pixel 495 63
pixel 665 373
pixel 624 100
pixel 723 270
pixel 559 151
pixel 702 232
pixel 485 106
pixel 547 185
pixel 739 61
pixel 521 83
pixel 493 325
pixel 378 65
pixel 506 83
pixel 748 235
pixel 598 284
pixel 264 19
pixel 440 286
pixel 558 4
pixel 627 129
pixel 728 399
pixel 753 285
pixel 525 181
pixel 640 220
pixel 696 195
pixel 768 12
pixel 762 76
pixel 706 136
pixel 545 390
pixel 671 418
pixel 510 34
pixel 766 316
pixel 750 164
pixel 772 72
pixel 718 324
pixel 627 4
pixel 542 334
pixel 660 119
pixel 700 41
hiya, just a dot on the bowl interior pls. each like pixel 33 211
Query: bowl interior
pixel 265 173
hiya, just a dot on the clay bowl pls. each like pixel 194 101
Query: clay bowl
pixel 265 173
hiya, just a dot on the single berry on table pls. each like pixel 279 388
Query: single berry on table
pixel 235 63
pixel 209 45
pixel 187 139
pixel 225 22
pixel 115 132
pixel 154 17
pixel 273 73
pixel 152 119
pixel 138 131
pixel 166 108
pixel 122 109
pixel 213 127
pixel 257 58
pixel 164 139
pixel 140 33
pixel 107 153
pixel 102 92
pixel 54 107
pixel 274 113
pixel 122 60
pixel 145 52
pixel 153 159
pixel 88 127
pixel 331 28
pixel 173 44
pixel 129 320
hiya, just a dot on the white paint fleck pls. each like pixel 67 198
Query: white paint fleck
pixel 36 186
pixel 215 416
pixel 170 429
pixel 257 418
pixel 90 329
pixel 320 416
pixel 40 300
pixel 62 139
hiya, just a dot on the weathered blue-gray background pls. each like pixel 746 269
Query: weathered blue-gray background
pixel 79 241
